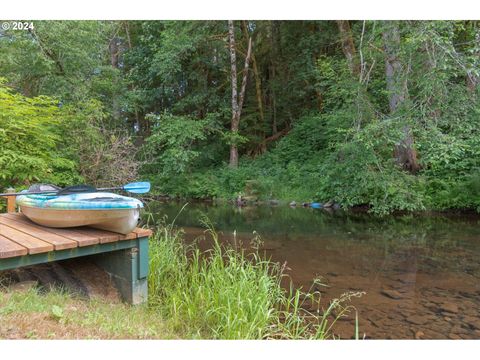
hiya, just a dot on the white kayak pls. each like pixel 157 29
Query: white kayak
pixel 100 210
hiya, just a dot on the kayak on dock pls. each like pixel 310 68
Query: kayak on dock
pixel 102 210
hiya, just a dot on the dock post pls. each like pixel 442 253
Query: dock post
pixel 129 271
pixel 10 201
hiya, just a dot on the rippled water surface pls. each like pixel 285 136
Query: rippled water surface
pixel 420 274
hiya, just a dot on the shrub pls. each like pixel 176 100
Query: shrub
pixel 30 130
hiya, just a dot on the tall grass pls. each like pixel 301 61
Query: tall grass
pixel 226 293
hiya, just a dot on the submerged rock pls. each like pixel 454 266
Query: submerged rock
pixel 418 319
pixel 392 294
pixel 419 335
pixel 457 329
pixel 449 307
pixel 473 322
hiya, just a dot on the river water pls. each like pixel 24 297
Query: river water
pixel 420 274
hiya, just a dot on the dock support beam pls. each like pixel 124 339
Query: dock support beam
pixel 128 269
pixel 11 208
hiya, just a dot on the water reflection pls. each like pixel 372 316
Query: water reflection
pixel 420 273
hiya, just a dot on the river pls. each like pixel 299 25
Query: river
pixel 420 273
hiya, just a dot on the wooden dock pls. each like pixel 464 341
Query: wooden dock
pixel 124 257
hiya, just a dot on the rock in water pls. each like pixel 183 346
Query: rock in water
pixel 293 204
pixel 419 335
pixel 449 307
pixel 418 319
pixel 473 322
pixel 392 294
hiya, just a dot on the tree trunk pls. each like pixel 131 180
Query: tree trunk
pixel 272 75
pixel 114 52
pixel 393 67
pixel 404 151
pixel 132 87
pixel 245 78
pixel 258 90
pixel 472 79
pixel 233 79
pixel 348 46
pixel 126 25
pixel 48 53
pixel 258 85
pixel 237 100
pixel 472 82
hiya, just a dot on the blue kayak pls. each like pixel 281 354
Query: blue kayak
pixel 101 210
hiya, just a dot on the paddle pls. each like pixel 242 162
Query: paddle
pixel 135 188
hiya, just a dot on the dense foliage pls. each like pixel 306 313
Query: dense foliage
pixel 382 114
pixel 30 134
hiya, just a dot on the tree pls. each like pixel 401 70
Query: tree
pixel 237 100
pixel 473 76
pixel 404 152
pixel 396 84
pixel 30 140
pixel 69 60
pixel 348 46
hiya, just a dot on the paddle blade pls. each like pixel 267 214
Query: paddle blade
pixel 138 187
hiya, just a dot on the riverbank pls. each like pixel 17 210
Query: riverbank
pixel 224 293
pixel 331 206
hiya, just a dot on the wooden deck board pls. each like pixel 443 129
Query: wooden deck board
pixel 81 238
pixel 101 235
pixel 9 248
pixel 142 232
pixel 33 244
pixel 19 236
pixel 59 242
